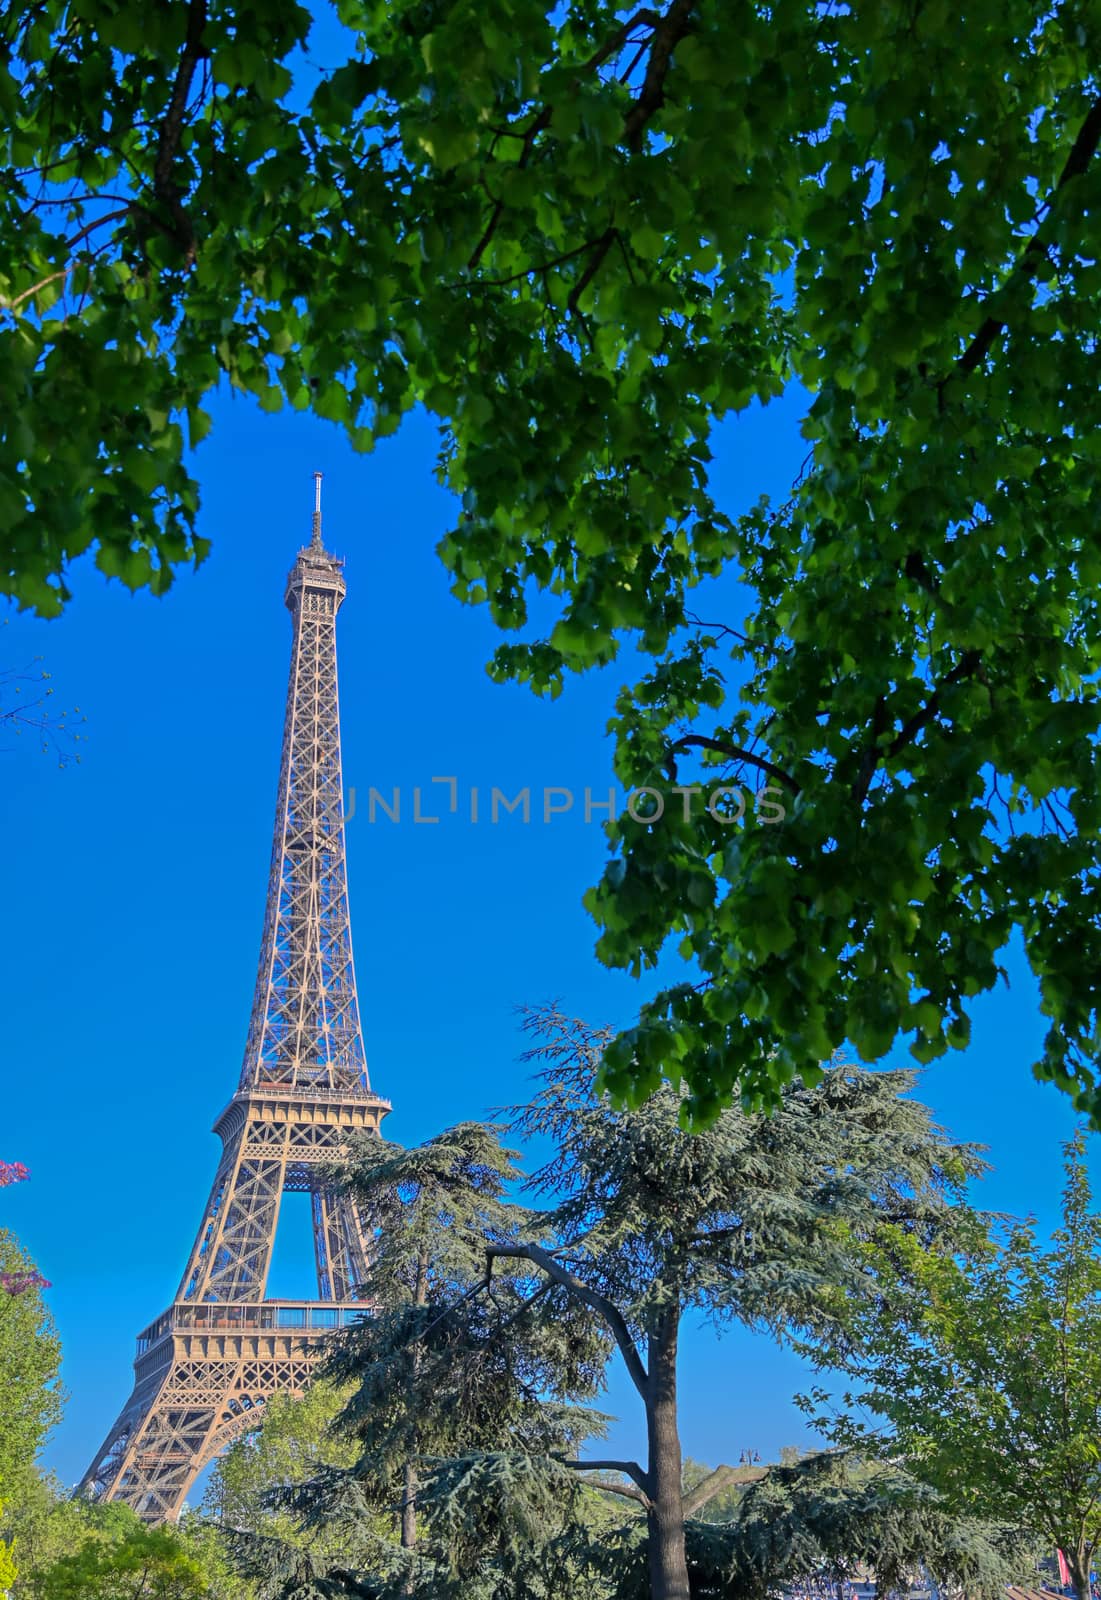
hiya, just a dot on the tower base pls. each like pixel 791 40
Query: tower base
pixel 202 1376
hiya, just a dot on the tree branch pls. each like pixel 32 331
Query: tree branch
pixel 910 729
pixel 645 17
pixel 708 1234
pixel 1089 136
pixel 704 742
pixel 164 186
pixel 631 1468
pixel 668 33
pixel 623 1489
pixel 63 272
pixel 529 138
pixel 600 250
pixel 597 1302
pixel 716 1482
pixel 870 759
pixel 538 266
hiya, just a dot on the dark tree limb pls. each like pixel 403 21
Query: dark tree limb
pixel 736 753
pixel 644 18
pixel 869 760
pixel 63 272
pixel 599 1303
pixel 600 250
pixel 965 667
pixel 631 1468
pixel 539 266
pixel 531 133
pixel 623 1489
pixel 1082 151
pixel 165 187
pixel 667 35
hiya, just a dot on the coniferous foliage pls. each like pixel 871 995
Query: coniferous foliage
pixel 497 1321
pixel 457 1400
pixel 826 1520
pixel 760 1219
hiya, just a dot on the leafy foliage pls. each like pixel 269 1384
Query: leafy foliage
pixel 294 1441
pixel 994 1393
pixel 146 1564
pixel 580 239
pixel 65 1547
pixel 30 1357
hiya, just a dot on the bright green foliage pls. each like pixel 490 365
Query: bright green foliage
pixel 8 1569
pixel 294 1440
pixel 580 239
pixel 41 1524
pixel 994 1395
pixel 146 1564
pixel 30 1356
pixel 65 1547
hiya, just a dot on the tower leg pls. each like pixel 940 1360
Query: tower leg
pixel 212 1390
pixel 340 1245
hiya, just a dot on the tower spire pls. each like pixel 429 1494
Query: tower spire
pixel 315 542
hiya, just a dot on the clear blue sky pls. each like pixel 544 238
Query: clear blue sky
pixel 134 886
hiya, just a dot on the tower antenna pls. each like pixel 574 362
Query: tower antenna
pixel 316 543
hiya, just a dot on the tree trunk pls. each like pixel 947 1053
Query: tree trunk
pixel 1078 1565
pixel 668 1566
pixel 408 1507
pixel 409 1483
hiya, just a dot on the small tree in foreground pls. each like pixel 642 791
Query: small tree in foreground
pixel 293 1441
pixel 994 1393
pixel 30 1359
pixel 145 1564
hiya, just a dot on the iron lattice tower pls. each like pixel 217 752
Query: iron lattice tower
pixel 206 1366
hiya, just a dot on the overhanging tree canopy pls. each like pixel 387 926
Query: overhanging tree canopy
pixel 579 236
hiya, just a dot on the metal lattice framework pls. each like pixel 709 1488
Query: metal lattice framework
pixel 205 1368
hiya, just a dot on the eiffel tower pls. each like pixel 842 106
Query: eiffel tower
pixel 206 1366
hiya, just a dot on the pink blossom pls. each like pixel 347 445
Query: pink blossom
pixel 20 1282
pixel 12 1172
